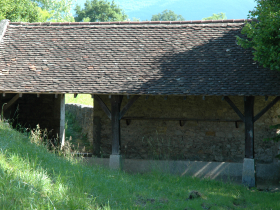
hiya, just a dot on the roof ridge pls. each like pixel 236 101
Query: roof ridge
pixel 3 28
pixel 130 22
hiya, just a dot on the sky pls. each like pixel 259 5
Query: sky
pixel 189 9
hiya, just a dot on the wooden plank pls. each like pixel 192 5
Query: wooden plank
pixel 103 106
pixel 11 102
pixel 180 119
pixel 234 108
pixel 128 105
pixel 115 113
pixel 262 112
pixel 249 126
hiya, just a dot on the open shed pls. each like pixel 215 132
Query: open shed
pixel 171 90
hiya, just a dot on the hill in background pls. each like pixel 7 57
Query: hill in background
pixel 189 9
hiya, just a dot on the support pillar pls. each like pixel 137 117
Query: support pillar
pixel 248 174
pixel 62 120
pixel 115 158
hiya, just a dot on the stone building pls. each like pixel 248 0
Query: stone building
pixel 166 90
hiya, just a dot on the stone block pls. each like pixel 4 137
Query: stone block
pixel 210 133
pixel 249 173
pixel 115 162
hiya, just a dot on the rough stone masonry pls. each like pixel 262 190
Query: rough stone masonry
pixel 195 140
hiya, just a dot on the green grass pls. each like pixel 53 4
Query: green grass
pixel 33 178
pixel 84 99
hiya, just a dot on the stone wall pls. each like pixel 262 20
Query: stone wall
pixel 195 140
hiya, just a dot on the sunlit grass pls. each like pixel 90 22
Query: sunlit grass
pixel 84 99
pixel 33 178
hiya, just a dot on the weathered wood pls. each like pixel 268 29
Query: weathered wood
pixel 103 106
pixel 128 105
pixel 179 119
pixel 62 121
pixel 234 108
pixel 11 102
pixel 249 126
pixel 262 112
pixel 115 113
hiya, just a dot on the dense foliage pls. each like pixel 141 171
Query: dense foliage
pixel 99 10
pixel 36 10
pixel 219 16
pixel 20 10
pixel 263 34
pixel 59 10
pixel 167 15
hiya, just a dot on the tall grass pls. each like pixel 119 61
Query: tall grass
pixel 33 178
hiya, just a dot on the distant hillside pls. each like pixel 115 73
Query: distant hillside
pixel 189 9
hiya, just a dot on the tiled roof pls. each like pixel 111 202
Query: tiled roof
pixel 168 58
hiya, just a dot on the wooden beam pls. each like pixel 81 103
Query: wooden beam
pixel 249 127
pixel 11 102
pixel 234 108
pixel 103 106
pixel 128 105
pixel 115 113
pixel 180 119
pixel 262 112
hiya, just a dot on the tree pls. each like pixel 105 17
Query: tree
pixel 59 10
pixel 263 34
pixel 20 10
pixel 99 10
pixel 167 15
pixel 219 16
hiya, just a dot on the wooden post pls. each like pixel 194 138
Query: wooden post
pixel 248 173
pixel 115 114
pixel 249 126
pixel 62 121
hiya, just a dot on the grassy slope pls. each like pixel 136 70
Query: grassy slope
pixel 32 178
